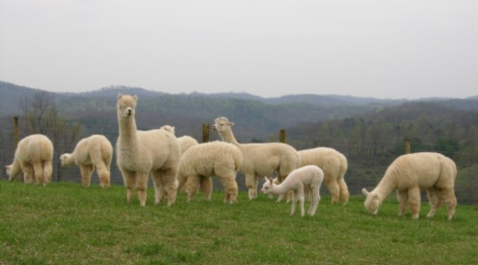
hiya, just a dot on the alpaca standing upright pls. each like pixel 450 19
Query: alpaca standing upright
pixel 141 153
pixel 260 159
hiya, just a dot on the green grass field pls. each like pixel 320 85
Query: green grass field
pixel 64 223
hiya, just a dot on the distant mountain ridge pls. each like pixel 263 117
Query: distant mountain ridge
pixel 254 116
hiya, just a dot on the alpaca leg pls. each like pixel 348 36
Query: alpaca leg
pixel 170 181
pixel 192 186
pixel 27 170
pixel 314 193
pixel 104 175
pixel 450 201
pixel 38 171
pixel 300 194
pixel 129 183
pixel 333 188
pixel 159 189
pixel 86 171
pixel 344 190
pixel 251 184
pixel 206 186
pixel 47 171
pixel 294 202
pixel 402 197
pixel 230 189
pixel 141 186
pixel 181 181
pixel 434 201
pixel 414 200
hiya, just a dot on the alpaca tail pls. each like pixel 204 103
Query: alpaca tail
pixel 344 191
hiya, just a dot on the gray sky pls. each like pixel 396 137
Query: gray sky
pixel 370 48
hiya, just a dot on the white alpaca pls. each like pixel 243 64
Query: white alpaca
pixel 185 142
pixel 206 160
pixel 33 156
pixel 309 177
pixel 141 153
pixel 260 159
pixel 93 152
pixel 410 173
pixel 334 164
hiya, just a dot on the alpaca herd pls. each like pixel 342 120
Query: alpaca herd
pixel 182 164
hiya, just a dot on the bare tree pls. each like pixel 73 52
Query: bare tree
pixel 41 116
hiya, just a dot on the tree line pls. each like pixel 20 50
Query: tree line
pixel 370 140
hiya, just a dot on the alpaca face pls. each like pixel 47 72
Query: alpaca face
pixel 372 203
pixel 126 105
pixel 63 159
pixel 221 124
pixel 267 186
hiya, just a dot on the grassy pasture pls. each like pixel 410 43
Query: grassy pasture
pixel 64 223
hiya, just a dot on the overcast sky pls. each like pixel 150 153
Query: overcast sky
pixel 376 48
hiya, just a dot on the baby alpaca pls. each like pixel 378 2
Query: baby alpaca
pixel 92 152
pixel 409 174
pixel 33 156
pixel 260 159
pixel 334 164
pixel 298 180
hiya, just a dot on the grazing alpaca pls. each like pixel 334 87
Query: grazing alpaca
pixel 410 173
pixel 206 160
pixel 141 153
pixel 260 159
pixel 185 142
pixel 33 156
pixel 307 177
pixel 334 164
pixel 94 152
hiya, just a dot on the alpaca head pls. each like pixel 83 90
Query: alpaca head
pixel 372 202
pixel 267 186
pixel 168 128
pixel 221 124
pixel 126 105
pixel 7 169
pixel 63 159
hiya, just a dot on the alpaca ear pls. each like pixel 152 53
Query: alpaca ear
pixel 266 179
pixel 135 98
pixel 365 192
pixel 120 96
pixel 231 123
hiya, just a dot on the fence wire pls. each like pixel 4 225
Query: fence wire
pixel 364 171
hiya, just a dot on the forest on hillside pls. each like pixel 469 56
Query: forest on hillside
pixel 371 135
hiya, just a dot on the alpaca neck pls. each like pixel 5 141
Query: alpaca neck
pixel 127 130
pixel 228 136
pixel 385 187
pixel 280 189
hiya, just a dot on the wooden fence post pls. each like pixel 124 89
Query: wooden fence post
pixel 282 136
pixel 407 146
pixel 15 133
pixel 205 132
